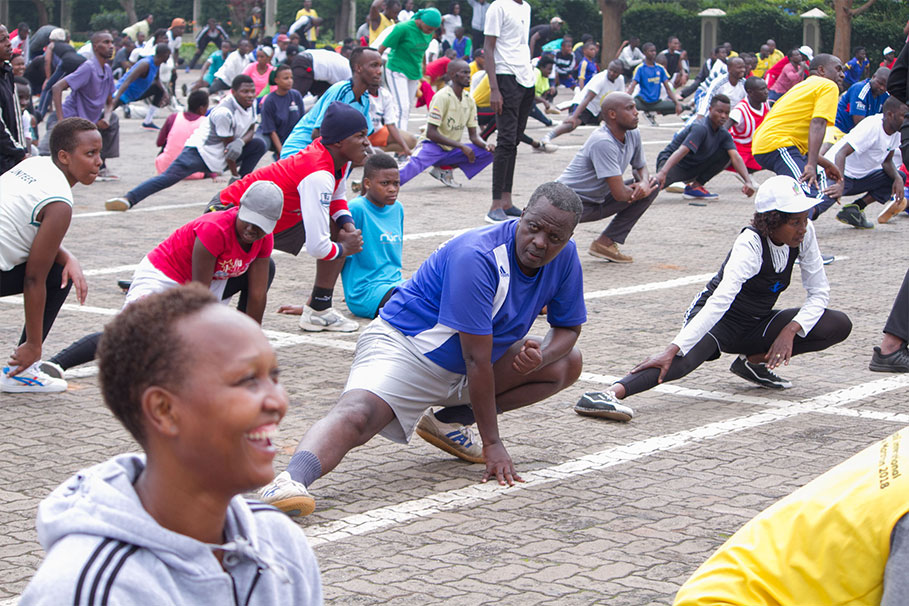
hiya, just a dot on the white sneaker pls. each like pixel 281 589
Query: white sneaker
pixel 288 495
pixel 31 380
pixel 546 147
pixel 51 369
pixel 117 205
pixel 329 319
pixel 445 177
pixel 453 438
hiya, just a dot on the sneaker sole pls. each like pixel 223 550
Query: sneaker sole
pixel 443 445
pixel 296 506
pixel 116 205
pixel 887 368
pixel 321 328
pixel 753 379
pixel 891 210
pixel 612 415
pixel 599 255
pixel 699 198
pixel 851 224
pixel 30 389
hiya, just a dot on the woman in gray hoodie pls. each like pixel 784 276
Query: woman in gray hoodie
pixel 171 526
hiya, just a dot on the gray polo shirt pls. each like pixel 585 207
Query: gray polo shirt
pixel 602 156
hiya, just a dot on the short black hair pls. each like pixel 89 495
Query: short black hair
pixel 753 82
pixel 892 104
pixel 721 98
pixel 857 49
pixel 378 161
pixel 65 134
pixel 560 196
pixel 162 49
pixel 239 80
pixel 356 54
pixel 282 68
pixel 647 45
pixel 141 348
pixel 197 100
pixel 545 60
pixel 765 223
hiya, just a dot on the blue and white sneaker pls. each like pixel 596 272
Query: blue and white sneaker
pixel 698 193
pixel 453 438
pixel 31 380
pixel 289 496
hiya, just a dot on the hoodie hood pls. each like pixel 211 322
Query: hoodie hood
pixel 102 501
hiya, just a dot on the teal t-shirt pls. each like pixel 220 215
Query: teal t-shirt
pixel 372 272
pixel 408 44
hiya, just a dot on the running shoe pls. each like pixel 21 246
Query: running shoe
pixel 513 211
pixel 898 361
pixel 854 216
pixel 30 380
pixel 698 193
pixel 496 216
pixel 288 495
pixel 891 209
pixel 117 204
pixel 444 176
pixel 105 175
pixel 454 438
pixel 150 126
pixel 545 147
pixel 758 374
pixel 651 117
pixel 328 319
pixel 603 405
pixel 676 188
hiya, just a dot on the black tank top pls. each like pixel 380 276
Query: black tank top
pixel 758 294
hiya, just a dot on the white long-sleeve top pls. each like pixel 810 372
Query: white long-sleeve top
pixel 744 263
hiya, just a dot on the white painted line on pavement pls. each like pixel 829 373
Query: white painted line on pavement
pixel 102 271
pixel 143 209
pixel 629 290
pixel 407 511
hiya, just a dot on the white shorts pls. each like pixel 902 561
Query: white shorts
pixel 388 365
pixel 148 279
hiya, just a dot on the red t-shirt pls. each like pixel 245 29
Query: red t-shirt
pixel 218 233
pixel 436 69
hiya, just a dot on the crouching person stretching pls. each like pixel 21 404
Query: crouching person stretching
pixel 455 335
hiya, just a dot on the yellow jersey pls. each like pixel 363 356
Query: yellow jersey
pixel 481 93
pixel 384 22
pixel 308 12
pixel 789 119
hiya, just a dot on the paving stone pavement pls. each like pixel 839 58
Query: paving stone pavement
pixel 613 513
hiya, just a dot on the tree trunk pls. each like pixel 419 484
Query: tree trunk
pixel 346 25
pixel 612 28
pixel 842 40
pixel 42 12
pixel 130 7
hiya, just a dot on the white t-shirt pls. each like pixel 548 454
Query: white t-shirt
pixel 509 22
pixel 432 51
pixel 382 109
pixel 600 86
pixel 233 66
pixel 721 86
pixel 86 50
pixel 25 189
pixel 329 66
pixel 228 119
pixel 871 145
pixel 405 16
pixel 449 24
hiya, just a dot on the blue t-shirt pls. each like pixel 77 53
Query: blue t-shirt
pixel 139 85
pixel 853 71
pixel 368 275
pixel 650 79
pixel 858 101
pixel 280 113
pixel 473 284
pixel 301 135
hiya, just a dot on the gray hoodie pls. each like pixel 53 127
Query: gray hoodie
pixel 104 548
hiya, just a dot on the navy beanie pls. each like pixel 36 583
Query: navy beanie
pixel 341 121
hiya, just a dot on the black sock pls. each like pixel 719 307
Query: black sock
pixel 462 415
pixel 861 203
pixel 321 298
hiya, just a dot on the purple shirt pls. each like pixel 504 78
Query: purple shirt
pixel 91 84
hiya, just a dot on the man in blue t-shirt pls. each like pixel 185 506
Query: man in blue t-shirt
pixel 456 335
pixel 366 69
pixel 861 100
pixel 371 276
pixel 281 110
pixel 856 68
pixel 651 76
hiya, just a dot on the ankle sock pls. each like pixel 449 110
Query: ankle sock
pixel 321 298
pixel 305 467
pixel 462 415
pixel 150 114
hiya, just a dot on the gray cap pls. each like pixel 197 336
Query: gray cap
pixel 261 205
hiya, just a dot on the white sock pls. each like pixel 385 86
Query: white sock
pixel 150 114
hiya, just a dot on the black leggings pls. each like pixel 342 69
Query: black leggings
pixel 12 282
pixel 832 327
pixel 83 350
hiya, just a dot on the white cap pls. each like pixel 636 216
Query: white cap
pixel 888 50
pixel 262 205
pixel 782 193
pixel 806 50
pixel 58 34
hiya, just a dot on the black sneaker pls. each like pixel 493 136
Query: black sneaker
pixel 513 211
pixel 651 118
pixel 758 374
pixel 854 216
pixel 897 361
pixel 603 405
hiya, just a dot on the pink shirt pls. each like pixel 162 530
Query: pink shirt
pixel 260 80
pixel 218 234
pixel 789 77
